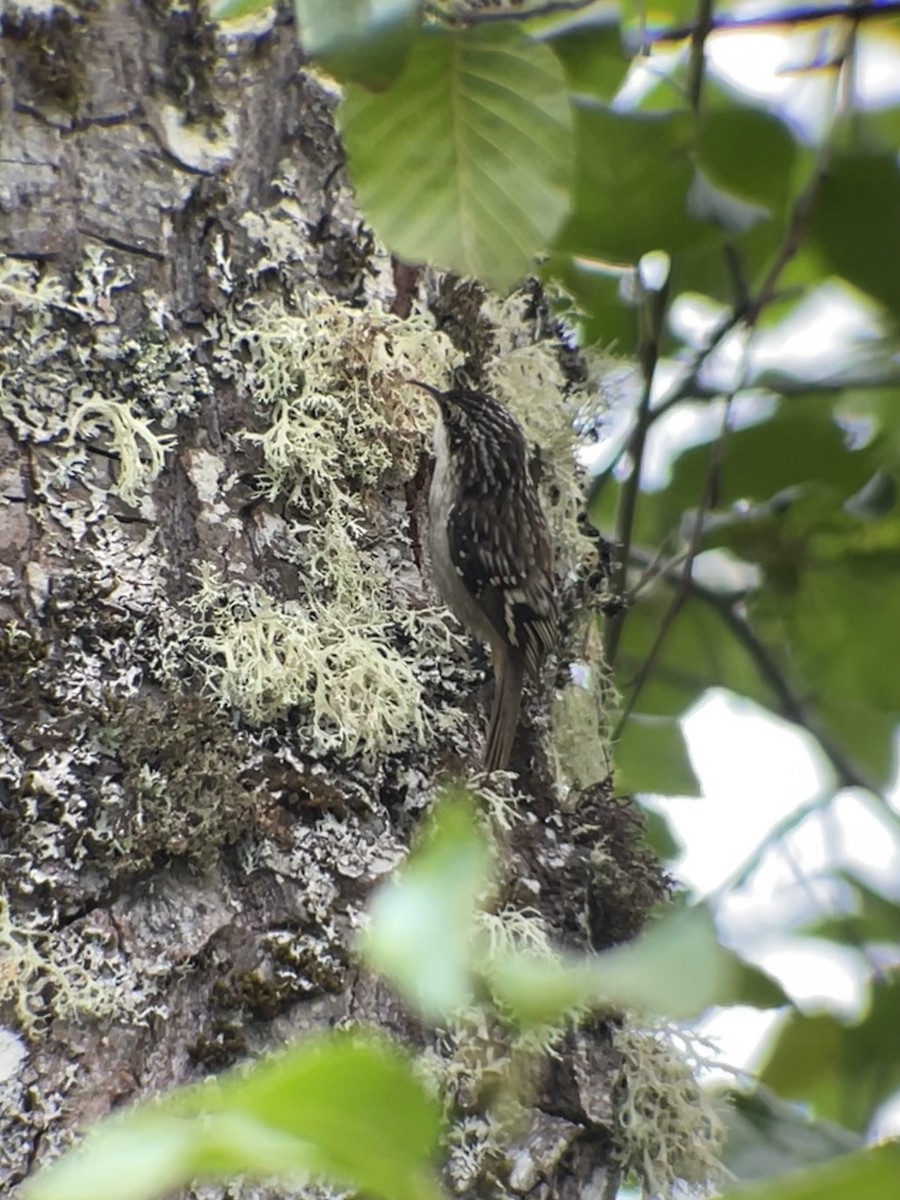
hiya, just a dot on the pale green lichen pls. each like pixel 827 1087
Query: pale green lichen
pixel 98 276
pixel 123 382
pixel 512 930
pixel 129 433
pixel 668 1131
pixel 68 974
pixel 22 285
pixel 333 381
pixel 527 376
pixel 354 689
pixel 581 747
pixel 342 419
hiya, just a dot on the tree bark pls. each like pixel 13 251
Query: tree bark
pixel 181 877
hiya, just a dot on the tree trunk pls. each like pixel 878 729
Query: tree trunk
pixel 225 696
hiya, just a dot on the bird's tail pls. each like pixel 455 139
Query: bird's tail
pixel 509 672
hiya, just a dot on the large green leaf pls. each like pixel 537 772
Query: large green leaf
pixel 856 223
pixel 634 174
pixel 422 928
pixel 766 1136
pixel 651 756
pixel 354 1098
pixel 749 153
pixel 869 1174
pixel 363 40
pixel 749 157
pixel 589 46
pixel 677 967
pixel 465 162
pixel 843 1072
pixel 344 1107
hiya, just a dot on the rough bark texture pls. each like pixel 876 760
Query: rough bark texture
pixel 184 855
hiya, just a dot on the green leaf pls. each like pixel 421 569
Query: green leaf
pixel 465 163
pixel 659 835
pixel 142 1156
pixel 830 583
pixel 879 406
pixel 700 651
pixel 874 917
pixel 652 756
pixel 855 223
pixel 748 153
pixel 423 920
pixel 590 49
pixel 355 1100
pixel 766 1136
pixel 843 1072
pixel 869 1174
pixel 750 159
pixel 344 1107
pixel 233 10
pixel 754 987
pixel 633 177
pixel 665 14
pixel 601 310
pixel 801 443
pixel 677 967
pixel 825 569
pixel 364 40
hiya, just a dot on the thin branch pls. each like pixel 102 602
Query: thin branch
pixel 784 16
pixel 703 24
pixel 678 33
pixel 652 314
pixel 793 235
pixel 682 388
pixel 707 501
pixel 790 704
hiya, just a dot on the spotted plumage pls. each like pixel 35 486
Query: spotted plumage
pixel 490 547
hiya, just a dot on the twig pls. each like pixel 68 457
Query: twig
pixel 652 313
pixel 697 60
pixel 790 705
pixel 682 388
pixel 784 16
pixel 707 500
pixel 677 33
pixel 793 235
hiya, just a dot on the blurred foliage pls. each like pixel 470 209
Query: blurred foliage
pixel 348 1107
pixel 586 136
pixel 344 1107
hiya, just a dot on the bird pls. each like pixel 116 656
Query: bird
pixel 491 552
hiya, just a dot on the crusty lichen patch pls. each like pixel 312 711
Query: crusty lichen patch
pixel 70 974
pixel 99 390
pixel 184 791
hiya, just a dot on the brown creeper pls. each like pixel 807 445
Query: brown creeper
pixel 490 548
